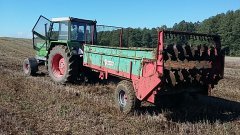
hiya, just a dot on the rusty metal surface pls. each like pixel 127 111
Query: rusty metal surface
pixel 187 64
pixel 192 63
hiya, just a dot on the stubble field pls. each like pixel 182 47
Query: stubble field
pixel 36 105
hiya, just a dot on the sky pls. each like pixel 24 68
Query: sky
pixel 19 16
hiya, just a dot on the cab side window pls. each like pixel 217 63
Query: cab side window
pixel 55 31
pixel 77 31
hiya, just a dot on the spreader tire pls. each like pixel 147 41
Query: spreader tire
pixel 30 66
pixel 62 66
pixel 125 98
pixel 205 91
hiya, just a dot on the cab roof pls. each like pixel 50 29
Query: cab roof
pixel 60 19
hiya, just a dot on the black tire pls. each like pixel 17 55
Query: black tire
pixel 30 66
pixel 204 91
pixel 127 105
pixel 72 65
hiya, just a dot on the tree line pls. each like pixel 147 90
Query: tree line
pixel 227 25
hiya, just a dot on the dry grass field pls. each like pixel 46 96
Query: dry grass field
pixel 36 105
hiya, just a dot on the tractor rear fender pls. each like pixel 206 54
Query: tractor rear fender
pixel 75 48
pixel 53 44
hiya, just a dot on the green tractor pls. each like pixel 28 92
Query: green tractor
pixel 59 46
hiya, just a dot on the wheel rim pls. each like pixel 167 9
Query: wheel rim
pixel 26 67
pixel 58 65
pixel 122 98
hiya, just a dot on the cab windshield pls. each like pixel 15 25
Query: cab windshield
pixel 81 32
pixel 59 31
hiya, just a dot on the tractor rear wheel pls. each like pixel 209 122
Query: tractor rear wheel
pixel 62 66
pixel 30 66
pixel 125 98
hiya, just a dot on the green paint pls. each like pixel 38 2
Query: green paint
pixel 117 58
pixel 41 49
pixel 60 41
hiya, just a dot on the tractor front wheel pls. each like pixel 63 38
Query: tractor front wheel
pixel 125 98
pixel 30 66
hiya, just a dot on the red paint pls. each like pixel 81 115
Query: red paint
pixel 27 66
pixel 120 39
pixel 62 66
pixel 101 75
pixel 58 65
pixel 103 70
pixel 92 35
pixel 145 85
pixel 148 64
pixel 151 98
pixel 159 52
pixel 106 75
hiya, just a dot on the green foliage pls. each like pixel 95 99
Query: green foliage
pixel 226 25
pixel 131 37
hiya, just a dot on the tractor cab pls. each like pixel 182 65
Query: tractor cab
pixel 59 46
pixel 72 29
pixel 72 32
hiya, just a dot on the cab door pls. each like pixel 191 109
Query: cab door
pixel 41 36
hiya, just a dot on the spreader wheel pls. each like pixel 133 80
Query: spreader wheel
pixel 206 90
pixel 30 66
pixel 125 98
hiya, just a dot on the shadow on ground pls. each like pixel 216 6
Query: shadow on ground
pixel 40 74
pixel 198 108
